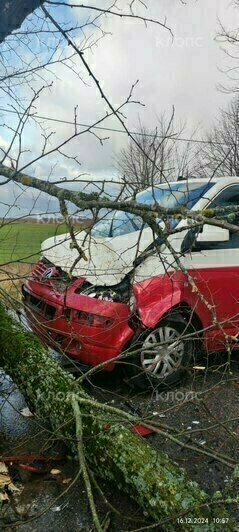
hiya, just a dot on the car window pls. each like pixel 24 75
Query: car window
pixel 124 223
pixel 117 223
pixel 226 198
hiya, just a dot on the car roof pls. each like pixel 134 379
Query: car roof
pixel 223 180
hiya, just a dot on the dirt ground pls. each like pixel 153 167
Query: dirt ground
pixel 12 277
pixel 202 412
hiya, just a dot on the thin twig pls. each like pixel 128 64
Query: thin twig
pixel 82 460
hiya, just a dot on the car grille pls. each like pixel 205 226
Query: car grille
pixel 58 277
pixel 40 268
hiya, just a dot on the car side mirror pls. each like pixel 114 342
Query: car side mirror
pixel 212 233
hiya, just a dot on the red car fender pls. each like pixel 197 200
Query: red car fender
pixel 158 295
pixel 150 310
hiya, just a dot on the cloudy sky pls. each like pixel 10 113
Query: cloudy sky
pixel 184 72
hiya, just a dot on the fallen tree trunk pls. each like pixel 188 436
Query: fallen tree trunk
pixel 111 449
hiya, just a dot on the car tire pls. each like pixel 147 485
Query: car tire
pixel 165 365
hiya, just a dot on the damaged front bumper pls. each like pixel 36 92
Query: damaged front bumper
pixel 89 324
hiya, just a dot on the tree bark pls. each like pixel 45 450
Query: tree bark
pixel 13 14
pixel 112 450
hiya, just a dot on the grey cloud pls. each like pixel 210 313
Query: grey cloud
pixel 183 73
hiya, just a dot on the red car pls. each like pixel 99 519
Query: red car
pixel 131 301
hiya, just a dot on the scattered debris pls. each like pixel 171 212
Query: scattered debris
pixel 59 508
pixel 142 431
pixel 6 484
pixel 25 412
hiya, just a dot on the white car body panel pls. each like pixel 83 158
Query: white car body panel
pixel 110 259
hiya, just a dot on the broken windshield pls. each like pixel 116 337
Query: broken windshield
pixel 116 223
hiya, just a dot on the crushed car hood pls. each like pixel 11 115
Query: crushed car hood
pixel 105 260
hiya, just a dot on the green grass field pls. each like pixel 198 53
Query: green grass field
pixel 22 241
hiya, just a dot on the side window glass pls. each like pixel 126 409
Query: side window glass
pixel 227 198
pixel 230 197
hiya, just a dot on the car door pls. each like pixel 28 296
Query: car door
pixel 214 267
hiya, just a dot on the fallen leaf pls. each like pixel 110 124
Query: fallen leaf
pixel 4 496
pixel 55 471
pixel 66 480
pixel 4 475
pixel 25 412
pixel 5 480
pixel 12 487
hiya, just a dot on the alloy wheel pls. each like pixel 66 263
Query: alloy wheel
pixel 162 351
